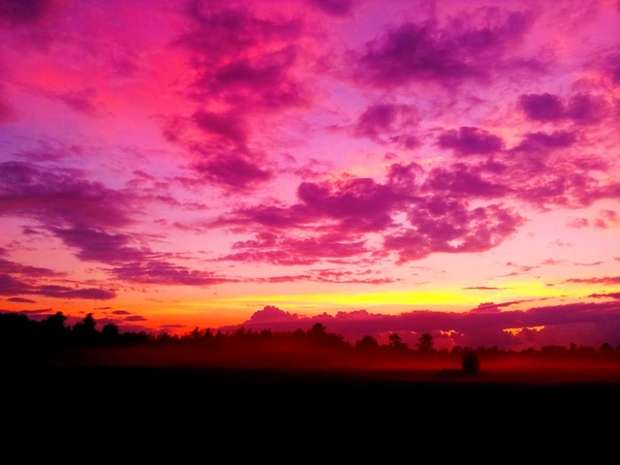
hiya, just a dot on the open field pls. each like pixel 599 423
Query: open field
pixel 273 407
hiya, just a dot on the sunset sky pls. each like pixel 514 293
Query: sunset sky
pixel 378 166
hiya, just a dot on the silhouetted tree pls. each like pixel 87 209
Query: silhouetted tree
pixel 470 363
pixel 318 330
pixel 85 331
pixel 367 343
pixel 426 343
pixel 110 333
pixel 396 342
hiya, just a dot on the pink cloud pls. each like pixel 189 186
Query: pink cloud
pixel 334 7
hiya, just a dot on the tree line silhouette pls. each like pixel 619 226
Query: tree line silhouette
pixel 51 339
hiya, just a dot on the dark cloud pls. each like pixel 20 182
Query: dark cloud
pixel 334 7
pixel 356 206
pixel 542 107
pixel 331 276
pixel 227 125
pixel 81 100
pixel 68 293
pixel 585 109
pixel 463 50
pixel 100 246
pixel 260 74
pixel 286 250
pixel 54 196
pixel 460 179
pixel 120 312
pixel 218 33
pixel 606 295
pixel 244 76
pixel 48 150
pixel 388 123
pixel 613 66
pixel 24 11
pixel 601 280
pixel 131 264
pixel 560 186
pixel 232 171
pixel 541 141
pixel 12 286
pixel 581 108
pixel 10 267
pixel 470 141
pixel 21 300
pixel 440 224
pixel 160 272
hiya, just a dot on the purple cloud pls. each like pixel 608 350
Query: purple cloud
pixel 460 179
pixel 470 141
pixel 12 286
pixel 264 53
pixel 58 196
pixel 286 250
pixel 218 33
pixel 542 107
pixel 462 51
pixel 24 11
pixel 447 225
pixel 10 267
pixel 159 272
pixel 99 245
pixel 229 125
pixel 541 141
pixel 21 300
pixel 581 108
pixel 81 100
pixel 388 123
pixel 232 171
pixel 356 206
pixel 359 204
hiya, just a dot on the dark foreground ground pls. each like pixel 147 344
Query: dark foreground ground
pixel 265 391
pixel 296 416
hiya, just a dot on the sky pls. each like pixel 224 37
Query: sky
pixel 450 166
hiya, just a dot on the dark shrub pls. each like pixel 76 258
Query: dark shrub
pixel 470 363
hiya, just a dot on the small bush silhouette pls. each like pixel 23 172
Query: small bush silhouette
pixel 470 363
